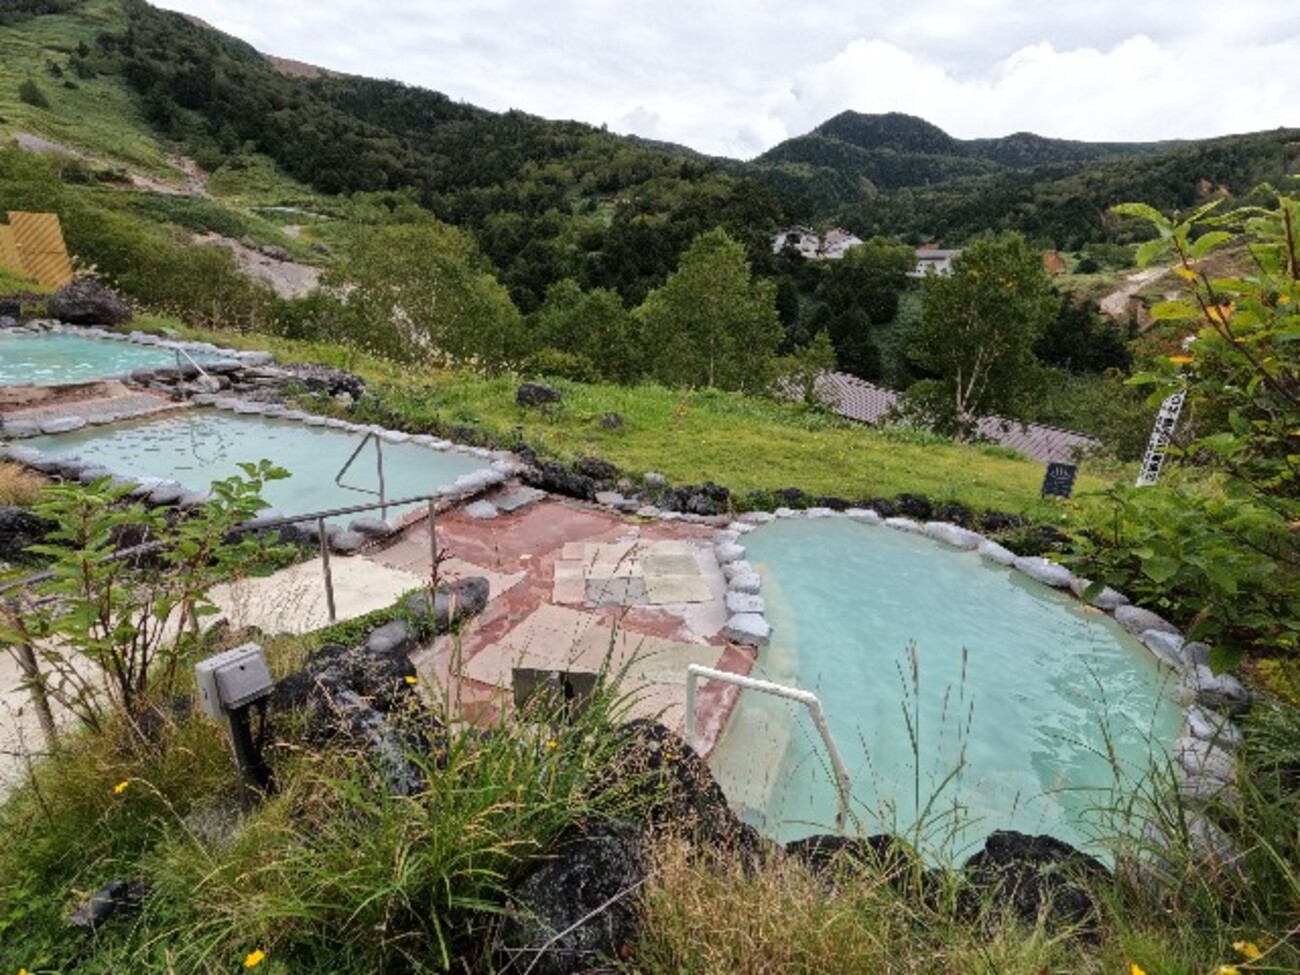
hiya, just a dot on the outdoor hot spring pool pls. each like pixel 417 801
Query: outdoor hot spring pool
pixel 56 357
pixel 1022 704
pixel 199 446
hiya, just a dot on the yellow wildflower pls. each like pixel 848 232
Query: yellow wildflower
pixel 1135 969
pixel 1181 360
pixel 412 681
pixel 121 787
pixel 552 743
pixel 1227 970
pixel 1249 950
pixel 254 958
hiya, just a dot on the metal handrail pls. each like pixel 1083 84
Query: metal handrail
pixel 807 698
pixel 379 462
pixel 262 524
pixel 192 361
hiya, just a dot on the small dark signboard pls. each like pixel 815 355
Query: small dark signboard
pixel 1059 480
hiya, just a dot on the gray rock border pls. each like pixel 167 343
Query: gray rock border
pixel 1201 757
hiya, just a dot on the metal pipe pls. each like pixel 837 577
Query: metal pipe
pixel 808 699
pixel 379 463
pixel 181 352
pixel 433 543
pixel 325 566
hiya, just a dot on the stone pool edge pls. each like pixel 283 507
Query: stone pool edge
pixel 1202 755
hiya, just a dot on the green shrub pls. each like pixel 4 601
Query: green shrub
pixel 30 93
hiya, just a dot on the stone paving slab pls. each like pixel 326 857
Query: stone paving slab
pixel 293 600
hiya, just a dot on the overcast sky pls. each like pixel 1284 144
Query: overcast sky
pixel 735 77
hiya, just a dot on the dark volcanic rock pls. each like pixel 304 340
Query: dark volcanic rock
pixel 108 900
pixel 835 504
pixel 596 469
pixel 790 497
pixel 915 506
pixel 537 394
pixel 824 854
pixel 880 506
pixel 706 499
pixel 577 909
pixel 453 604
pixel 84 301
pixel 1035 877
pixel 998 521
pixel 955 514
pixel 323 379
pixel 19 528
pixel 553 477
pixel 654 762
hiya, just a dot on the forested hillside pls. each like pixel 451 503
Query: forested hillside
pixel 895 174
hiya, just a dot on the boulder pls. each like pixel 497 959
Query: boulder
pixel 1137 620
pixel 679 792
pixel 1107 600
pixel 85 301
pixel 1215 728
pixel 729 552
pixel 19 528
pixel 864 515
pixel 747 582
pixel 453 603
pixel 829 856
pixel 1167 647
pixel 19 429
pixel 118 895
pixel 394 637
pixel 346 542
pixel 757 518
pixel 1218 692
pixel 750 629
pixel 574 911
pixel 1204 758
pixel 1196 653
pixel 62 424
pixel 370 527
pixel 1037 878
pixel 1043 570
pixel 166 493
pixel 915 506
pixel 953 535
pixel 537 394
pixel 905 525
pixel 744 602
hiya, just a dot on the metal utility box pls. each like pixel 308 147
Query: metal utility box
pixel 232 679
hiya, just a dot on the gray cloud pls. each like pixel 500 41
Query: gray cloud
pixel 735 77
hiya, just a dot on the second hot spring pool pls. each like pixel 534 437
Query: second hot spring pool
pixel 963 695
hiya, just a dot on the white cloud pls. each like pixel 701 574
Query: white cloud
pixel 736 76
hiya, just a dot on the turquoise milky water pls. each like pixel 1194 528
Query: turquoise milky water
pixel 1017 698
pixel 59 358
pixel 198 446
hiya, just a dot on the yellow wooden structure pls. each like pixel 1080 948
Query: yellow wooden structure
pixel 32 244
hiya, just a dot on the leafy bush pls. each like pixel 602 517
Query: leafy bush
pixel 30 93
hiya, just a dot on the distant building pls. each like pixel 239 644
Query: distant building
pixel 814 247
pixel 933 259
pixel 804 240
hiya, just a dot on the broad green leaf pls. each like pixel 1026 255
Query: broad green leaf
pixel 1207 242
pixel 1160 568
pixel 1149 251
pixel 1174 311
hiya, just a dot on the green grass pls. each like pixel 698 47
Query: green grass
pixel 99 117
pixel 744 443
pixel 255 181
pixel 11 281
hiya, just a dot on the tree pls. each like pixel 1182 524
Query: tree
pixel 1221 550
pixel 1079 340
pixel 976 336
pixel 592 324
pixel 711 323
pixel 422 290
pixel 858 292
pixel 132 619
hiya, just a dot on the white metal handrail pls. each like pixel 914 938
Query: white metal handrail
pixel 379 465
pixel 807 698
pixel 192 361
